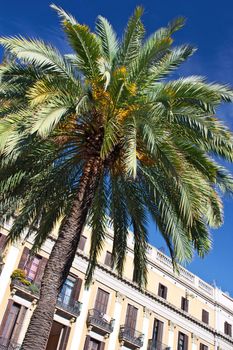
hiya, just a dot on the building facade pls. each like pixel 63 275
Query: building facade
pixel 175 312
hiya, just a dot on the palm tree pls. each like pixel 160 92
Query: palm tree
pixel 101 136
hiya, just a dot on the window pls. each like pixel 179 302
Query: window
pixel 82 242
pixel 93 344
pixel 31 267
pixel 184 304
pixel 101 302
pixel 2 240
pixel 203 347
pixel 182 341
pixel 228 329
pixel 157 334
pixel 66 291
pixel 205 316
pixel 162 291
pixel 131 319
pixel 108 259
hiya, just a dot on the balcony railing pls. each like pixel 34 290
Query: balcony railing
pixel 67 310
pixel 7 344
pixel 130 337
pixel 157 345
pixel 100 322
pixel 73 307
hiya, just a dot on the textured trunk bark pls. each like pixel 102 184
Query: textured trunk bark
pixel 61 259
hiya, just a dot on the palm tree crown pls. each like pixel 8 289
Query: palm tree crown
pixel 157 140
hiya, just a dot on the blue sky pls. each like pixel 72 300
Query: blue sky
pixel 209 27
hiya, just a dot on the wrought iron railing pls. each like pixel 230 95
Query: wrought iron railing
pixel 8 344
pixel 157 345
pixel 100 320
pixel 131 336
pixel 17 282
pixel 73 307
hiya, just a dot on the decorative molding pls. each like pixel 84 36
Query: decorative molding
pixel 72 320
pixel 13 291
pixel 171 325
pixel 120 297
pixel 194 338
pixel 146 312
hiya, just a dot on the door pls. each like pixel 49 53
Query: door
pixel 55 336
pixel 12 323
pixel 94 344
pixel 131 319
pixel 101 302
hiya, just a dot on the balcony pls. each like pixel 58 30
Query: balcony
pixel 30 292
pixel 99 322
pixel 7 344
pixel 73 308
pixel 152 345
pixel 131 338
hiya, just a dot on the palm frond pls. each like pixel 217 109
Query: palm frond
pixel 86 46
pixel 98 220
pixel 133 36
pixel 65 16
pixel 108 38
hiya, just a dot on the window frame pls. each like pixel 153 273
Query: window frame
pixel 164 290
pixel 108 259
pixel 82 243
pixel 184 304
pixel 205 316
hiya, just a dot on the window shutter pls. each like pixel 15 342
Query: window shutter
pixel 82 242
pixel 24 258
pixel 162 291
pixel 101 302
pixel 230 330
pixel 184 304
pixel 131 317
pixel 102 345
pixel 18 324
pixel 87 341
pixel 160 331
pixel 186 342
pixel 157 332
pixel 108 259
pixel 65 338
pixel 40 271
pixel 5 317
pixel 225 327
pixel 165 292
pixel 76 289
pixel 2 241
pixel 205 316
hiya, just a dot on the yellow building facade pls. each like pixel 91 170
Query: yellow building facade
pixel 175 312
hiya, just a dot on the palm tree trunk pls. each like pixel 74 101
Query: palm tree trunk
pixel 61 259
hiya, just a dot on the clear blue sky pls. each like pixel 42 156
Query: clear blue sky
pixel 209 27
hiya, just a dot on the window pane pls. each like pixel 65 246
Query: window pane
pixel 66 292
pixel 32 267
